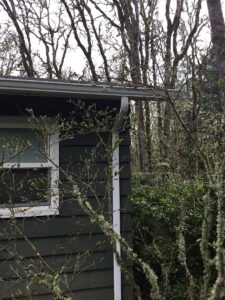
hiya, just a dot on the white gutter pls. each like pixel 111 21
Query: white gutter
pixel 116 196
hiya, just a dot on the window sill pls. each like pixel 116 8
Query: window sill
pixel 22 212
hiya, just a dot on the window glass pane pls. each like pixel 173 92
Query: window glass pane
pixel 21 145
pixel 24 186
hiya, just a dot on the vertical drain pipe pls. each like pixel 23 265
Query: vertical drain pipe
pixel 116 195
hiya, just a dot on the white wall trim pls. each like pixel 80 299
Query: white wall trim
pixel 116 198
pixel 116 214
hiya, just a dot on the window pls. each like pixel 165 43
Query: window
pixel 29 158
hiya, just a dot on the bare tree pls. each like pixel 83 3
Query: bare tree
pixel 35 22
pixel 174 55
pixel 71 9
pixel 52 32
pixel 10 59
pixel 24 42
pixel 130 19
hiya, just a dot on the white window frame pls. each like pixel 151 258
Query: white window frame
pixel 52 208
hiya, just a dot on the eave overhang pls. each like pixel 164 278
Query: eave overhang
pixel 55 88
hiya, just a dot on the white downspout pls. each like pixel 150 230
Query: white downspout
pixel 116 196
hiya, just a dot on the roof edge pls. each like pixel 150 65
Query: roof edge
pixel 76 89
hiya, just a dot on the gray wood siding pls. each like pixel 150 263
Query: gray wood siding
pixel 70 239
pixel 102 293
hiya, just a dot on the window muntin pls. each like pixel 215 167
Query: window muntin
pixel 26 158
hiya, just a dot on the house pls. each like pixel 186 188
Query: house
pixel 49 247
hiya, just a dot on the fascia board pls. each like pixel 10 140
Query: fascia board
pixel 68 89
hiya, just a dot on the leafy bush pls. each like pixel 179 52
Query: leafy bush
pixel 159 213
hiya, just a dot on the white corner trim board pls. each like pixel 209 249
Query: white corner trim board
pixel 116 198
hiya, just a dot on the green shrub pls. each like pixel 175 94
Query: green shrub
pixel 157 213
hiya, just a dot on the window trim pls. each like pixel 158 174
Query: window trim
pixel 52 208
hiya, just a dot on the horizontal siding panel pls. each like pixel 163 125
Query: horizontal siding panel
pixel 56 245
pixel 92 139
pixel 89 139
pixel 97 154
pixel 94 189
pixel 82 281
pixel 71 207
pixel 57 226
pixel 69 263
pixel 93 170
pixel 85 280
pixel 90 294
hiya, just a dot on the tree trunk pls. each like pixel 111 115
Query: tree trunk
pixel 148 133
pixel 218 40
pixel 143 152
